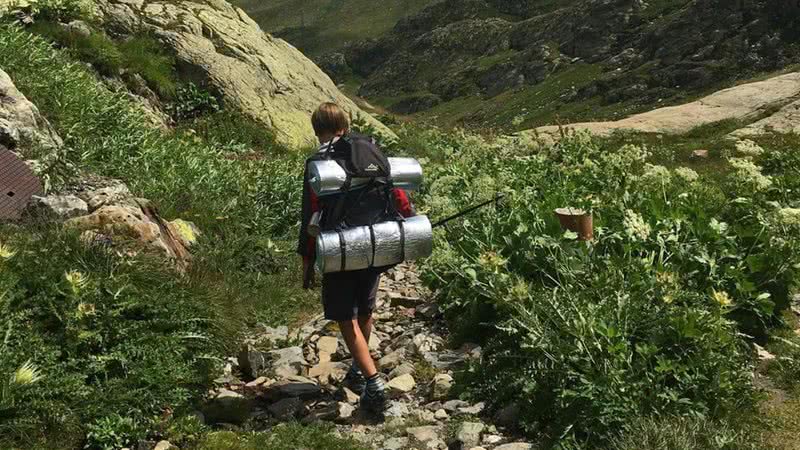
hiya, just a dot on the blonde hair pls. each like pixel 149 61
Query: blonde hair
pixel 329 118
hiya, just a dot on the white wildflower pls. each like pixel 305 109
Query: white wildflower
pixel 789 217
pixel 626 157
pixel 654 175
pixel 720 227
pixel 748 148
pixel 686 174
pixel 746 172
pixel 635 226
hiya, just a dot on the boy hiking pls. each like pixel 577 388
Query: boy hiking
pixel 348 298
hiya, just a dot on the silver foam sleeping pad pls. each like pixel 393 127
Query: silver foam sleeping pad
pixel 388 245
pixel 328 177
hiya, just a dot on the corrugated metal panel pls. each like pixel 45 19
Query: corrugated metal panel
pixel 17 184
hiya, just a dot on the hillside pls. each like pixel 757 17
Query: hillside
pixel 519 64
pixel 319 26
pixel 618 291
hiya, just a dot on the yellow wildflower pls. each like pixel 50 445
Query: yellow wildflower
pixel 25 375
pixel 86 309
pixel 6 252
pixel 722 298
pixel 492 260
pixel 76 281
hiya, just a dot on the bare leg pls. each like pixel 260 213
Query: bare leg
pixel 358 346
pixel 365 324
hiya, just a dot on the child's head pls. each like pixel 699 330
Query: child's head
pixel 329 120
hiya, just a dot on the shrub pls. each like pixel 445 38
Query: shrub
pixel 60 10
pixel 192 102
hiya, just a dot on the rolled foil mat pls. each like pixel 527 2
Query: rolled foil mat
pixel 387 243
pixel 327 177
pixel 388 247
pixel 419 238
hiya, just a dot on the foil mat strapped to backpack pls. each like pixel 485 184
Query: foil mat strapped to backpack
pixel 392 245
pixel 327 177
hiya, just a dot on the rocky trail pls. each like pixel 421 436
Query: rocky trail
pixel 295 375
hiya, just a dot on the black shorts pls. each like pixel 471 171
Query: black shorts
pixel 347 295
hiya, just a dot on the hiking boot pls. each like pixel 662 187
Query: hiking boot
pixel 355 381
pixel 373 402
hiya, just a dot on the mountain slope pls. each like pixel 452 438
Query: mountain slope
pixel 518 64
pixel 318 26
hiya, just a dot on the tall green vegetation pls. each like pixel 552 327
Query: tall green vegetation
pixel 643 321
pixel 106 337
pixel 110 344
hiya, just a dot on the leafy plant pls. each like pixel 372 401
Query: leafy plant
pixel 111 433
pixel 192 102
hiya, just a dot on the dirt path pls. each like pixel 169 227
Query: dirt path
pixel 777 98
pixel 287 375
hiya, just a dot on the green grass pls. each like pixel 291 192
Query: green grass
pixel 229 128
pixel 325 25
pixel 146 56
pixel 96 49
pixel 140 54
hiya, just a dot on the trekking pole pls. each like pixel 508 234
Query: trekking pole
pixel 463 213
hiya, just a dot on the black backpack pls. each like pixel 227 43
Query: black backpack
pixel 360 157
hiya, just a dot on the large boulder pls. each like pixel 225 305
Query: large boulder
pixel 221 47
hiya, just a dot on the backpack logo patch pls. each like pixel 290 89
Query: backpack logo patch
pixel 372 168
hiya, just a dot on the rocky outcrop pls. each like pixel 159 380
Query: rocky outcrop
pixel 21 124
pixel 107 214
pixel 786 120
pixel 220 47
pixel 745 103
